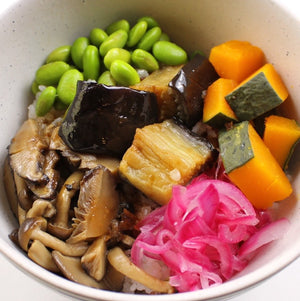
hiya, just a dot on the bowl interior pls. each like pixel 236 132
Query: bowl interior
pixel 31 29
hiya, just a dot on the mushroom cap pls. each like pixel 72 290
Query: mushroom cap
pixel 98 204
pixel 26 229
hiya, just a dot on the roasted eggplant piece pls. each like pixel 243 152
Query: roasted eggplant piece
pixel 162 155
pixel 190 83
pixel 103 119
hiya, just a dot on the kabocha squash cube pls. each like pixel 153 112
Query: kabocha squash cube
pixel 236 59
pixel 251 166
pixel 258 94
pixel 162 155
pixel 157 83
pixel 281 136
pixel 216 110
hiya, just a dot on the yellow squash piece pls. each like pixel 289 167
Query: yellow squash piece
pixel 280 136
pixel 251 166
pixel 236 59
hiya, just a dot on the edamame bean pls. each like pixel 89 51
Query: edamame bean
pixel 107 79
pixel 149 38
pixel 49 74
pixel 150 21
pixel 97 36
pixel 136 33
pixel 66 89
pixel 120 24
pixel 91 63
pixel 45 101
pixel 169 53
pixel 117 39
pixel 116 54
pixel 164 37
pixel 144 60
pixel 123 73
pixel 59 105
pixel 34 87
pixel 78 49
pixel 61 53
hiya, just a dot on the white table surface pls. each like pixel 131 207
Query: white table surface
pixel 17 286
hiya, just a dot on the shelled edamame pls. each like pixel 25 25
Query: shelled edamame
pixel 112 56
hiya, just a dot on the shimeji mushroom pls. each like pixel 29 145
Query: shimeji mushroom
pixel 42 256
pixel 34 229
pixel 94 259
pixel 47 190
pixel 72 269
pixel 60 227
pixel 119 260
pixel 41 208
pixel 98 204
pixel 26 152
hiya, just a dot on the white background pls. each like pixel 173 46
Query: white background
pixel 16 286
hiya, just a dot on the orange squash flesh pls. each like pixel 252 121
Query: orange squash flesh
pixel 216 110
pixel 236 59
pixel 280 136
pixel 261 179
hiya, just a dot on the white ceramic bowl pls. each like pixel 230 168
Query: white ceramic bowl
pixel 31 28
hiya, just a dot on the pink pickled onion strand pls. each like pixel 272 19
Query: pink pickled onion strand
pixel 204 235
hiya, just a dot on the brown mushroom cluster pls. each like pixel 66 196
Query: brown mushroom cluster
pixel 76 216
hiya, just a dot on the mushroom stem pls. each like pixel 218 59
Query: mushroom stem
pixel 71 185
pixel 41 208
pixel 118 259
pixel 60 226
pixel 42 256
pixel 33 229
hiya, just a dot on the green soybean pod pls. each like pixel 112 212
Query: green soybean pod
pixel 144 60
pixel 49 74
pixel 116 54
pixel 169 53
pixel 123 73
pixel 66 89
pixel 149 38
pixel 164 37
pixel 120 24
pixel 45 101
pixel 117 39
pixel 107 79
pixel 97 36
pixel 77 50
pixel 150 21
pixel 91 63
pixel 62 53
pixel 136 33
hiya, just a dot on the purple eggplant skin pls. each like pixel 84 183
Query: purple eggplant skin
pixel 189 83
pixel 103 119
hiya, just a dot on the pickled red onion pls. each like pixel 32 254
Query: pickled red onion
pixel 204 235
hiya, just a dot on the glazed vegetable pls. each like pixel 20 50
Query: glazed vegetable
pixel 162 155
pixel 197 237
pixel 251 166
pixel 103 119
pixel 190 83
pixel 216 110
pixel 281 136
pixel 157 83
pixel 259 93
pixel 236 59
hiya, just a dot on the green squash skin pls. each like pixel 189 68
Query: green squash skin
pixel 235 146
pixel 253 98
pixel 219 120
pixel 291 152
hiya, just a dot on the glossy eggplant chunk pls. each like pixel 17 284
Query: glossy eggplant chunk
pixel 190 83
pixel 103 119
